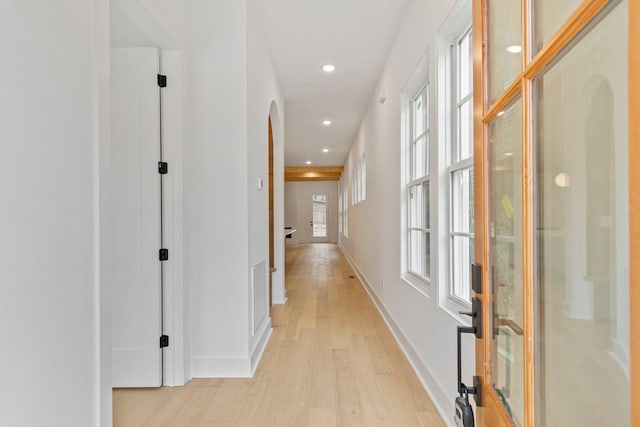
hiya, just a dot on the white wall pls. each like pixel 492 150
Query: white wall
pixel 229 88
pixel 427 332
pixel 216 187
pixel 53 124
pixel 54 128
pixel 264 99
pixel 298 209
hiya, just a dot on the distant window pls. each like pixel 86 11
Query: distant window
pixel 363 173
pixel 344 208
pixel 359 178
pixel 340 208
pixel 418 221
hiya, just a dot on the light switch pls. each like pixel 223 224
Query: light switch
pixel 260 183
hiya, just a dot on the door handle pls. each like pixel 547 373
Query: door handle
pixel 476 318
pixel 476 329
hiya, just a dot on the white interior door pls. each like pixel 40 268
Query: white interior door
pixel 319 224
pixel 136 218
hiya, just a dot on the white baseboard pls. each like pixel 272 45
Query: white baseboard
pixel 260 345
pixel 620 356
pixel 232 367
pixel 220 367
pixel 428 381
pixel 280 297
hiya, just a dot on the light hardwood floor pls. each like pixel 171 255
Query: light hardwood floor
pixel 331 361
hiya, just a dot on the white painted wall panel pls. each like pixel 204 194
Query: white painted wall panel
pixel 51 127
pixel 264 98
pixel 215 82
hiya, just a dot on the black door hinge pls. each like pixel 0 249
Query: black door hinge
pixel 163 168
pixel 162 80
pixel 164 341
pixel 164 254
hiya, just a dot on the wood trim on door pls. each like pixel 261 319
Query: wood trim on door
pixel 491 414
pixel 634 206
pixel 272 261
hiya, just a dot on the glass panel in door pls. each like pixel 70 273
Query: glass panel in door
pixel 583 231
pixel 504 53
pixel 319 211
pixel 505 233
pixel 549 15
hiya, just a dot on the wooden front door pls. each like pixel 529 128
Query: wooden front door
pixel 556 202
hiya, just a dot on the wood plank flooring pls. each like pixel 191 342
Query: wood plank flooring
pixel 331 361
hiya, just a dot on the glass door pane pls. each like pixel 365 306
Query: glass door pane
pixel 583 231
pixel 319 215
pixel 505 229
pixel 549 15
pixel 504 45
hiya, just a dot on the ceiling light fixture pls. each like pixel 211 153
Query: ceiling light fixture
pixel 308 162
pixel 516 48
pixel 501 113
pixel 326 122
pixel 328 68
pixel 325 150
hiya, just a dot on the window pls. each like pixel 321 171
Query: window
pixel 354 185
pixel 418 221
pixel 345 207
pixel 460 170
pixel 358 183
pixel 455 158
pixel 363 173
pixel 340 209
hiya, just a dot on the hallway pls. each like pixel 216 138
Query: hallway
pixel 331 361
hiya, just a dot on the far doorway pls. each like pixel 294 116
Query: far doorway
pixel 319 223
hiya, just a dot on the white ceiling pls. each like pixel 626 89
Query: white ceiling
pixel 302 36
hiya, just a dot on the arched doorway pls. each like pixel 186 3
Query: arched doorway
pixel 272 261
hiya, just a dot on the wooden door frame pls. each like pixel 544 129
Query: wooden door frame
pixel 634 205
pixel 493 415
pixel 272 261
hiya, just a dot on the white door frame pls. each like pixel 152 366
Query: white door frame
pixel 310 195
pixel 175 366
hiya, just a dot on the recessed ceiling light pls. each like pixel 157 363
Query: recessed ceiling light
pixel 328 68
pixel 501 113
pixel 509 154
pixel 308 162
pixel 326 122
pixel 516 48
pixel 325 150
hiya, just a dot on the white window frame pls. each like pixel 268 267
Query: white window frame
pixel 418 83
pixel 354 185
pixel 363 172
pixel 358 180
pixel 456 26
pixel 345 208
pixel 340 208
